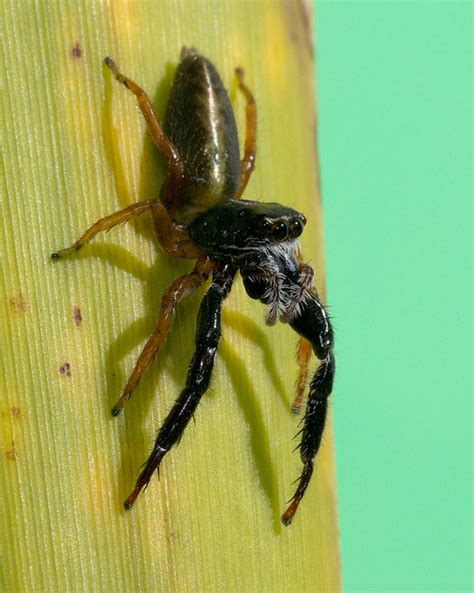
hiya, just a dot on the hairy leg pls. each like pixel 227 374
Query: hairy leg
pixel 175 164
pixel 250 148
pixel 177 291
pixel 105 224
pixel 208 333
pixel 304 354
pixel 172 237
pixel 313 324
pixel 314 422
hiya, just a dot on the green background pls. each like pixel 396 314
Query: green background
pixel 395 141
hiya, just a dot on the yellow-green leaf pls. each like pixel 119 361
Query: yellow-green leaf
pixel 75 148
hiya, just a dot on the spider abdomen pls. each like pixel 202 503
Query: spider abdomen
pixel 200 122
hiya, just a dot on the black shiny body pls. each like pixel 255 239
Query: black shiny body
pixel 238 227
pixel 200 122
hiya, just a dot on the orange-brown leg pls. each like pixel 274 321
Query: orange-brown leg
pixel 180 288
pixel 247 164
pixel 304 354
pixel 105 224
pixel 304 347
pixel 172 237
pixel 175 163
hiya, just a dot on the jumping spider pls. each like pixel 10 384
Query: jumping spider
pixel 200 215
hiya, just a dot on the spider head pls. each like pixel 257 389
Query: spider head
pixel 237 227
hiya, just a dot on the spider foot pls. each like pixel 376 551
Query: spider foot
pixel 240 73
pixel 128 503
pixel 296 406
pixel 118 407
pixel 117 74
pixel 111 64
pixel 144 478
pixel 288 515
pixel 64 252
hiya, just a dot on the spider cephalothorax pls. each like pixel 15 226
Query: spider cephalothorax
pixel 200 215
pixel 261 239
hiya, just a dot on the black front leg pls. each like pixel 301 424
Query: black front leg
pixel 314 325
pixel 208 332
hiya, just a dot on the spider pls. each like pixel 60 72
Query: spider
pixel 200 215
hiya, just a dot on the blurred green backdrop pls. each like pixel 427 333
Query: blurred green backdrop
pixel 395 141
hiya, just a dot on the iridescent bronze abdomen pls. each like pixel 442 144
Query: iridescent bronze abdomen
pixel 200 122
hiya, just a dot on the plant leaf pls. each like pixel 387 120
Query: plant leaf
pixel 76 149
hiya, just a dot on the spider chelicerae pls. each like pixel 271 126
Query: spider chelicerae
pixel 200 215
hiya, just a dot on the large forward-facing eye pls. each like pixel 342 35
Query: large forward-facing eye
pixel 296 228
pixel 267 226
pixel 280 231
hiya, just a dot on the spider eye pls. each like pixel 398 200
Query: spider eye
pixel 296 228
pixel 280 231
pixel 267 225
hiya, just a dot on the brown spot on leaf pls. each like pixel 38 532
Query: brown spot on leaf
pixel 15 412
pixel 18 304
pixel 77 316
pixel 65 369
pixel 11 454
pixel 77 51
